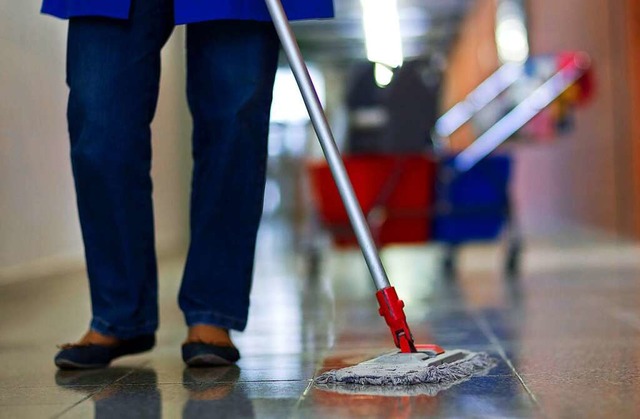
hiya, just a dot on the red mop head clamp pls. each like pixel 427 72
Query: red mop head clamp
pixel 391 308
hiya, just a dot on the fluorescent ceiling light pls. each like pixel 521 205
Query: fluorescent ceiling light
pixel 512 37
pixel 513 45
pixel 382 32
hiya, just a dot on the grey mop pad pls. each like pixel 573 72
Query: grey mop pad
pixel 430 390
pixel 399 369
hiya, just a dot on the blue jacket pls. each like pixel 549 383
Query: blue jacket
pixel 187 11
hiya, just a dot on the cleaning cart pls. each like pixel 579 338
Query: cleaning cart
pixel 459 197
pixel 414 199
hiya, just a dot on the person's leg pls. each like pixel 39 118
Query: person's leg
pixel 231 68
pixel 113 72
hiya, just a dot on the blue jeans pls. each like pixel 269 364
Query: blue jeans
pixel 113 71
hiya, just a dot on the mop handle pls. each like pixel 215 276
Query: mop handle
pixel 328 143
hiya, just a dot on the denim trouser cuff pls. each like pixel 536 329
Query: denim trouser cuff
pixel 215 319
pixel 105 328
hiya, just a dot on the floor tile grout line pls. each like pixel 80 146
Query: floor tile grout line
pixel 311 380
pixel 85 398
pixel 102 388
pixel 486 329
pixel 296 407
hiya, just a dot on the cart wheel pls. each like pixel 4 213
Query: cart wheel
pixel 513 260
pixel 450 262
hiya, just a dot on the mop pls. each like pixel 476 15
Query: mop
pixel 413 364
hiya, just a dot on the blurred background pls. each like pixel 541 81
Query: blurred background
pixel 385 77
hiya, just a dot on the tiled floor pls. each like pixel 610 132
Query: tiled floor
pixel 566 334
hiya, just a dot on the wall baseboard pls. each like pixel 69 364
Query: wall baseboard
pixel 72 263
pixel 58 265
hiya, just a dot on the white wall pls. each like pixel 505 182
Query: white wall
pixel 39 232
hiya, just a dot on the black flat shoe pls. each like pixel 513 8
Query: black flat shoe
pixel 197 354
pixel 76 357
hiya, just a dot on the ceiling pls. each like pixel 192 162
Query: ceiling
pixel 427 26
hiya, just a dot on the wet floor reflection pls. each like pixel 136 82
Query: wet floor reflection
pixel 213 393
pixel 481 397
pixel 114 400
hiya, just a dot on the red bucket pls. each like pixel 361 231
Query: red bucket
pixel 396 194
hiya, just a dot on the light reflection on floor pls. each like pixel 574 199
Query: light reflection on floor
pixel 566 334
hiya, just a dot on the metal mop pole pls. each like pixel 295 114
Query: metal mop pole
pixel 328 144
pixel 391 308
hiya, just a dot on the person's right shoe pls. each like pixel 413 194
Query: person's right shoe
pixel 91 356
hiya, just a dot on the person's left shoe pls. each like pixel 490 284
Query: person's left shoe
pixel 92 356
pixel 198 354
pixel 209 346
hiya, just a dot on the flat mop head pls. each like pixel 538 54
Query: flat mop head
pixel 407 369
